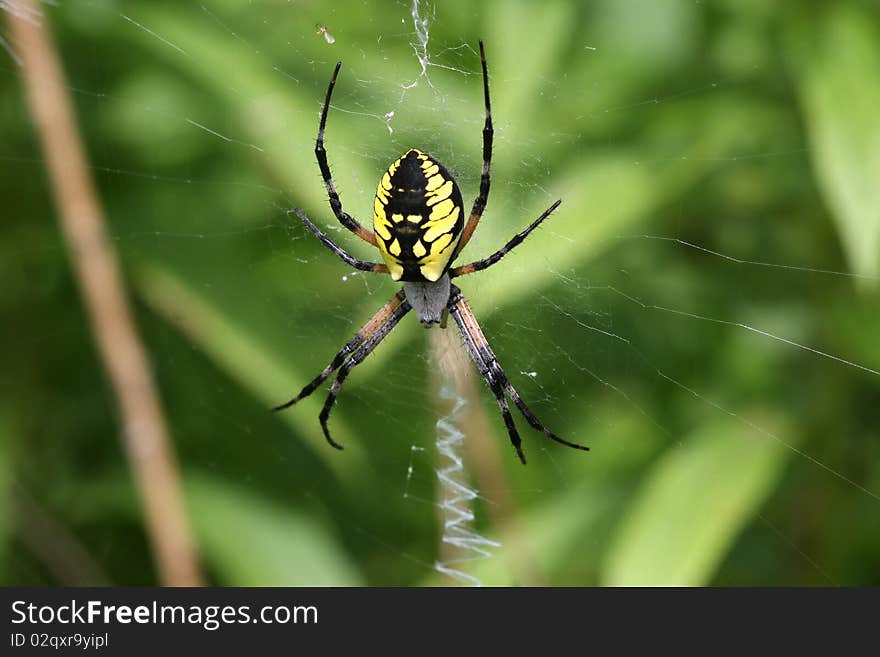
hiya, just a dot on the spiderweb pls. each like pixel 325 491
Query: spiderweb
pixel 691 355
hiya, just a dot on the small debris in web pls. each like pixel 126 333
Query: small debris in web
pixel 322 31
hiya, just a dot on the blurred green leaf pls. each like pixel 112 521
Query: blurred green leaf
pixel 608 193
pixel 249 540
pixel 837 67
pixel 235 346
pixel 556 533
pixel 518 62
pixel 693 505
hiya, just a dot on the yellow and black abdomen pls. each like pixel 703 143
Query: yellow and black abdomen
pixel 418 217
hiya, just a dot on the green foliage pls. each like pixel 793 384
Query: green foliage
pixel 838 66
pixel 249 541
pixel 695 501
pixel 674 132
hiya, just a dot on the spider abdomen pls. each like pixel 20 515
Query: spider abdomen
pixel 418 217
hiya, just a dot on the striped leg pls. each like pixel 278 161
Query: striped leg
pixel 515 241
pixel 515 440
pixel 488 133
pixel 344 218
pixel 491 371
pixel 370 342
pixel 533 421
pixel 338 250
pixel 472 340
pixel 376 322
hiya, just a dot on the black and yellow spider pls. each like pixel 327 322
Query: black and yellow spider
pixel 420 229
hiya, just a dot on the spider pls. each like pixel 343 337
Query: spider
pixel 419 229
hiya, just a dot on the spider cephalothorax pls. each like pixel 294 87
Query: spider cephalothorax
pixel 418 218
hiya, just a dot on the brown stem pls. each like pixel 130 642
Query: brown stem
pixel 485 455
pixel 94 261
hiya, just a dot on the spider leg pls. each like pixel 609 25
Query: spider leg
pixel 364 333
pixel 344 218
pixel 488 133
pixel 473 342
pixel 491 371
pixel 527 413
pixel 515 440
pixel 342 253
pixel 515 241
pixel 370 342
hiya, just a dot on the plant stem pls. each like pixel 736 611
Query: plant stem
pixel 150 454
